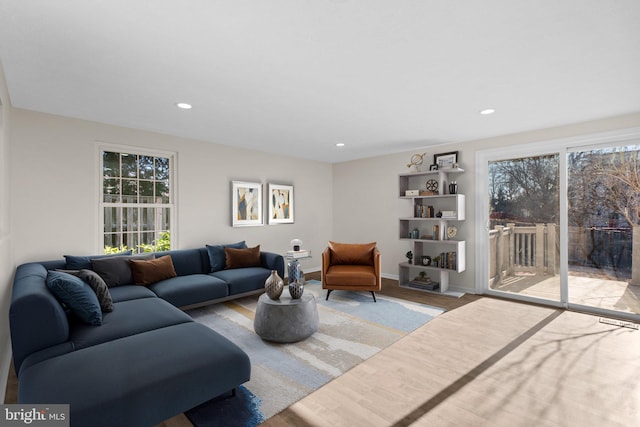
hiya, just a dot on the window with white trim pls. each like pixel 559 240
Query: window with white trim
pixel 136 200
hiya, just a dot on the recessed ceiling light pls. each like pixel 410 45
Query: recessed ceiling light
pixel 487 111
pixel 340 144
pixel 184 105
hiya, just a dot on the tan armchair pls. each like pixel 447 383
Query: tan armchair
pixel 351 267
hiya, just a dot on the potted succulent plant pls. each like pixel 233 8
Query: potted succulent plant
pixel 409 256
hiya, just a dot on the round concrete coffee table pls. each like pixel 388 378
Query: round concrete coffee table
pixel 286 319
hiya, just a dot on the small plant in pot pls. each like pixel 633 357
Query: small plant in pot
pixel 409 256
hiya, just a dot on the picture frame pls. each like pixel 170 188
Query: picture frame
pixel 246 204
pixel 446 160
pixel 433 167
pixel 280 202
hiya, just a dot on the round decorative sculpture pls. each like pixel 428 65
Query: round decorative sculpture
pixel 274 285
pixel 416 161
pixel 432 185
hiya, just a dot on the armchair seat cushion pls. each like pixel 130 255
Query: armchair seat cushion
pixel 351 275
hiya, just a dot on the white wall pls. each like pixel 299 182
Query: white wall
pixel 367 206
pixel 6 264
pixel 55 180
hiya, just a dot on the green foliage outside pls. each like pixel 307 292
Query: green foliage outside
pixel 163 243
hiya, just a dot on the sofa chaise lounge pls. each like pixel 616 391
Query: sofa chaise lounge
pixel 148 360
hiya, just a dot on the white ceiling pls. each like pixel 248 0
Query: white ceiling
pixel 298 76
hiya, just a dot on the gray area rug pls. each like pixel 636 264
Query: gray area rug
pixel 352 329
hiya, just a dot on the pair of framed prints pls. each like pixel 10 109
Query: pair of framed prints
pixel 247 204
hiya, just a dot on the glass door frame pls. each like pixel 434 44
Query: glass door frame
pixel 556 146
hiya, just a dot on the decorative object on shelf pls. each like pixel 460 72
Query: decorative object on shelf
pixel 436 261
pixel 409 256
pixel 296 289
pixel 411 193
pixel 416 161
pixel 246 203
pixel 433 167
pixel 426 261
pixel 415 233
pixel 451 232
pixel 453 188
pixel 280 204
pixel 439 214
pixel 432 185
pixel 273 285
pixel 296 244
pixel 436 232
pixel 446 160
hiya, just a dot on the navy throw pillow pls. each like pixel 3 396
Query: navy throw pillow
pixel 217 257
pixel 76 295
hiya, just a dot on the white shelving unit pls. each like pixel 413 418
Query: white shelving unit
pixel 428 231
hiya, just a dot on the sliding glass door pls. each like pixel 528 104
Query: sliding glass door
pixel 524 214
pixel 603 194
pixel 559 224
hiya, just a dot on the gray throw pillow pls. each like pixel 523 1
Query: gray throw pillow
pixel 97 284
pixel 116 271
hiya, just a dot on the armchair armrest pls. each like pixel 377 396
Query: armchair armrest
pixel 326 261
pixel 377 266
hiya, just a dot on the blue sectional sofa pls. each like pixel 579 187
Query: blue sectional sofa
pixel 144 361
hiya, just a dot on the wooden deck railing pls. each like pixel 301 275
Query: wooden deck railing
pixel 523 249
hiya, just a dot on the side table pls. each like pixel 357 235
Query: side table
pixel 286 320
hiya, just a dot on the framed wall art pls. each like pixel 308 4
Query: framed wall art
pixel 446 160
pixel 280 204
pixel 246 203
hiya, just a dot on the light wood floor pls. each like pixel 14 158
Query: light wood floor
pixel 484 362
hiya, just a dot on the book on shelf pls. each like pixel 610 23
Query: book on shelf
pixel 427 286
pixel 448 260
pixel 302 253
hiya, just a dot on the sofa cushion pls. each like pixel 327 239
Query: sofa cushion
pixel 183 291
pixel 352 253
pixel 76 295
pixel 188 261
pixel 139 380
pixel 243 280
pixel 84 262
pixel 98 285
pixel 129 318
pixel 146 272
pixel 129 292
pixel 217 257
pixel 241 258
pixel 350 275
pixel 116 271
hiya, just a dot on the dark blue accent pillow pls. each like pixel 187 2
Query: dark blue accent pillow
pixel 84 262
pixel 217 257
pixel 77 295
